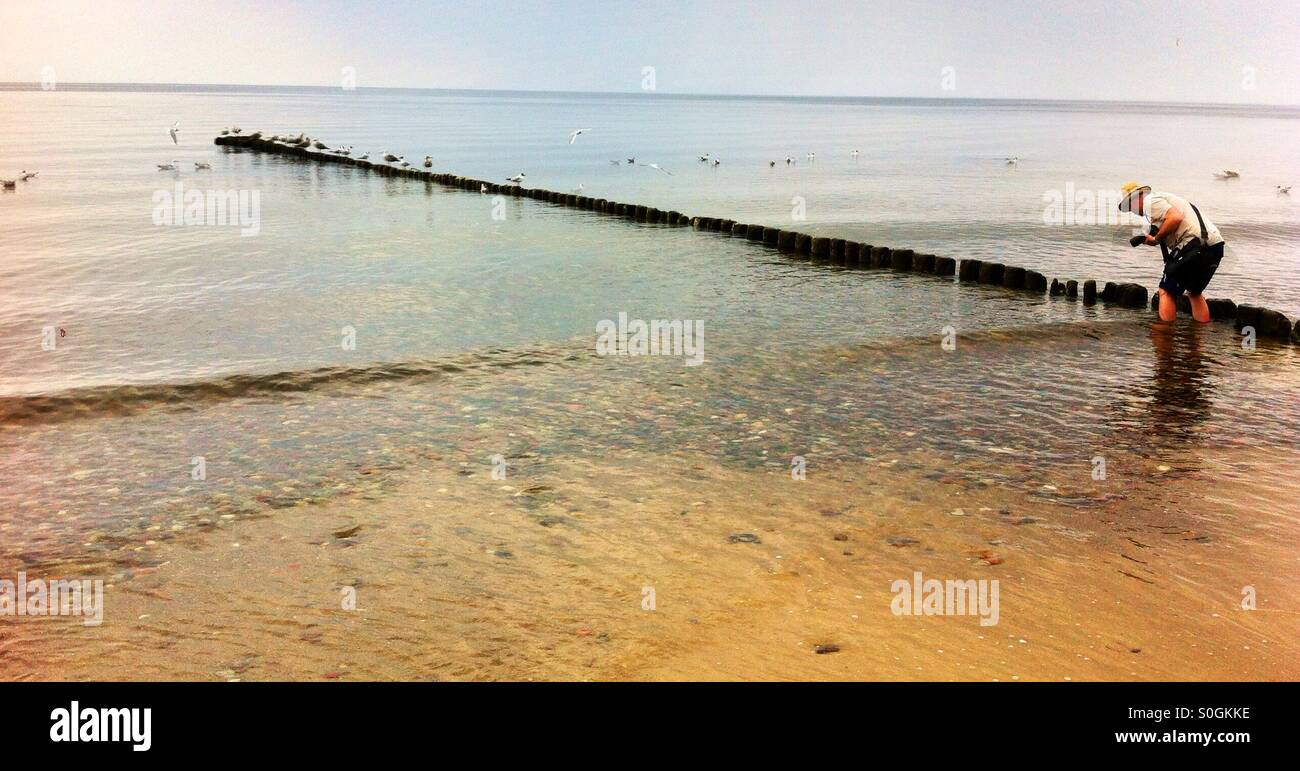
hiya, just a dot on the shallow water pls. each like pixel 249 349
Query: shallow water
pixel 190 345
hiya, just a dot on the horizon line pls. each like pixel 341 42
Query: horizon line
pixel 82 85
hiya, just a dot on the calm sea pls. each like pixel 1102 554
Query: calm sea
pixel 367 315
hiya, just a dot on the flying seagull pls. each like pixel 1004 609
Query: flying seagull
pixel 573 135
pixel 174 130
pixel 657 167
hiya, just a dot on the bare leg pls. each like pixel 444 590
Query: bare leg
pixel 1168 307
pixel 1200 308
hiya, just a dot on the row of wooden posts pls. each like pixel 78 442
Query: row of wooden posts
pixel 803 246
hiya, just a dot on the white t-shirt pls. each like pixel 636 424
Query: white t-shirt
pixel 1156 205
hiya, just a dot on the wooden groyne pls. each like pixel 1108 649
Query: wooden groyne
pixel 1267 323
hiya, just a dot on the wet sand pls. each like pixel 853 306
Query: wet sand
pixel 542 576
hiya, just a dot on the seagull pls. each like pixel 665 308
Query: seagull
pixel 482 188
pixel 319 145
pixel 174 130
pixel 1013 160
pixel 225 132
pixel 235 129
pixel 771 164
pixel 854 155
pixel 405 164
pixel 167 166
pixel 789 161
pixel 657 167
pixel 615 163
pixel 344 150
pixel 518 179
pixel 716 163
pixel 428 161
pixel 26 175
pixel 631 161
pixel 255 135
pixel 573 135
pixel 578 189
pixel 8 184
pixel 704 158
pixel 392 158
pixel 198 166
pixel 1284 190
pixel 812 156
pixel 364 156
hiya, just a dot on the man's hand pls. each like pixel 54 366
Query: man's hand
pixel 1151 241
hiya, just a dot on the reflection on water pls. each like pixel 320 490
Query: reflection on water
pixel 1181 389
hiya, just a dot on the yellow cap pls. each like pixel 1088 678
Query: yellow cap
pixel 1127 191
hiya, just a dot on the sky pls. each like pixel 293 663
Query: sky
pixel 1205 51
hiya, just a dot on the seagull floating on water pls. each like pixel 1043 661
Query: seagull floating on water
pixel 704 158
pixel 26 175
pixel 174 130
pixel 573 135
pixel 8 184
pixel 1228 174
pixel 717 162
pixel 789 161
pixel 1284 190
pixel 167 166
pixel 199 166
pixel 854 155
pixel 631 161
pixel 1013 160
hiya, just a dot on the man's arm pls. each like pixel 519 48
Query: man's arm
pixel 1172 220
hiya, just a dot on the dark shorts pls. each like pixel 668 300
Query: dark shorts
pixel 1194 279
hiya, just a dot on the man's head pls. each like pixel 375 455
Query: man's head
pixel 1132 197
